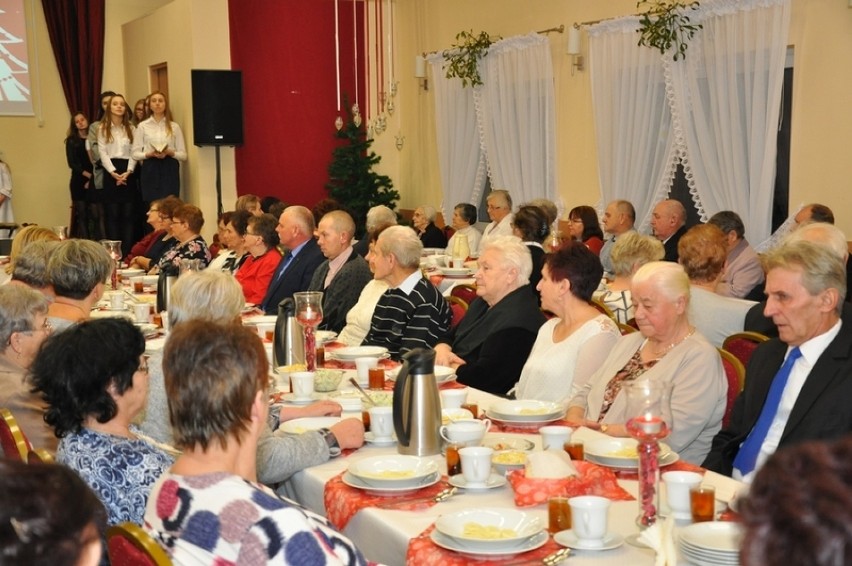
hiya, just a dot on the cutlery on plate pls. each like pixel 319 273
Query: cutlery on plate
pixel 551 559
pixel 437 498
pixel 363 393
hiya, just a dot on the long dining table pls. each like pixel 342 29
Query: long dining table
pixel 383 535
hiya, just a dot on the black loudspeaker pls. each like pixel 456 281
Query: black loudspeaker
pixel 217 107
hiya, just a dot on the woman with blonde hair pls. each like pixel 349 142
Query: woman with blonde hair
pixel 31 233
pixel 630 252
pixel 159 144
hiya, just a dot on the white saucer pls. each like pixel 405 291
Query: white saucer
pixel 290 398
pixel 569 539
pixel 371 439
pixel 494 480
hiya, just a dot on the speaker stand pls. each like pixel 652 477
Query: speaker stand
pixel 219 209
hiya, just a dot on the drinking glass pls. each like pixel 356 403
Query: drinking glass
pixel 113 248
pixel 649 420
pixel 309 315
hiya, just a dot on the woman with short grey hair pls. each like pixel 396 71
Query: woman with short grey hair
pixel 424 223
pixel 77 269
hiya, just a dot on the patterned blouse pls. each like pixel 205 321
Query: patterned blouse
pixel 119 470
pixel 631 370
pixel 223 519
pixel 195 248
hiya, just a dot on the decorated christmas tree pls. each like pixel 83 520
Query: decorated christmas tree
pixel 353 182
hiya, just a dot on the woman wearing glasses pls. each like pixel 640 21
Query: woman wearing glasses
pixel 187 222
pixel 584 227
pixel 263 257
pixel 147 252
pixel 92 401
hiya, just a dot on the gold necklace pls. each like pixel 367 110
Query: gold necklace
pixel 664 351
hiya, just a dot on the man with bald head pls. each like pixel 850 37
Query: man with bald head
pixel 343 275
pixel 295 270
pixel 668 223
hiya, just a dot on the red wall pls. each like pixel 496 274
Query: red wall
pixel 286 51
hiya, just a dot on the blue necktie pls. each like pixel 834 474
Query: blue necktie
pixel 747 456
pixel 283 267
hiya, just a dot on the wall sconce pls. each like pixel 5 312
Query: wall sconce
pixel 400 141
pixel 574 48
pixel 420 71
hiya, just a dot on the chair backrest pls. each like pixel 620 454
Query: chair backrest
pixel 129 545
pixel 39 455
pixel 598 304
pixel 15 444
pixel 458 308
pixel 465 292
pixel 626 328
pixel 743 344
pixel 735 374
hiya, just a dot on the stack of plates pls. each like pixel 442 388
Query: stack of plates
pixel 713 543
pixel 525 413
pixel 349 354
pixel 456 271
pixel 621 453
pixel 489 532
pixel 392 475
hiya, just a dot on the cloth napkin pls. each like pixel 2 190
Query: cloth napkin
pixel 660 537
pixel 591 479
pixel 550 464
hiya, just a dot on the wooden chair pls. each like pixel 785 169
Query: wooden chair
pixel 458 308
pixel 626 328
pixel 465 292
pixel 735 373
pixel 39 456
pixel 15 444
pixel 743 344
pixel 598 304
pixel 129 545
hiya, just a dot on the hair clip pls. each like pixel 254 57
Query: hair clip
pixel 21 529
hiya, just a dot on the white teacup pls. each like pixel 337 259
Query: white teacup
pixel 453 398
pixel 554 437
pixel 363 367
pixel 469 432
pixel 677 492
pixel 457 262
pixel 476 464
pixel 589 518
pixel 381 422
pixel 116 300
pixel 302 383
pixel 142 312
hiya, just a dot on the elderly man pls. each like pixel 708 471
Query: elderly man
pixel 618 219
pixel 799 385
pixel 668 223
pixel 412 313
pixel 743 272
pixel 702 252
pixel 343 275
pixel 379 215
pixel 814 212
pixel 499 207
pixel 295 270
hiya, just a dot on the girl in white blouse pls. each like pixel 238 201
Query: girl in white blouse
pixel 159 142
pixel 115 143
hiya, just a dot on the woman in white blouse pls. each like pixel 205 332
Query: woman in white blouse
pixel 159 143
pixel 570 347
pixel 115 143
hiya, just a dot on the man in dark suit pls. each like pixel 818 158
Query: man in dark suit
pixel 293 274
pixel 668 221
pixel 798 386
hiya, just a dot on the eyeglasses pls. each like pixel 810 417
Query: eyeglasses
pixel 492 207
pixel 143 365
pixel 575 220
pixel 153 210
pixel 46 327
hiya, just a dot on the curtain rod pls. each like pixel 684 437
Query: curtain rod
pixel 578 25
pixel 559 29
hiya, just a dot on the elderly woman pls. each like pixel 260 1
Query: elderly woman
pixel 584 227
pixel 94 379
pixel 31 267
pixel 187 222
pixel 24 237
pixel 147 252
pixel 216 297
pixel 216 378
pixel 257 270
pixel 530 225
pixel 23 327
pixel 424 224
pixel 490 345
pixel 631 251
pixel 570 347
pixel 464 218
pixel 77 269
pixel 667 349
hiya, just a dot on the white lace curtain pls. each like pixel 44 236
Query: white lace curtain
pixel 724 100
pixel 513 122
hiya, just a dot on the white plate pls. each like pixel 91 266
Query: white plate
pixel 527 410
pixel 531 424
pixel 443 374
pixel 665 460
pixel 324 336
pixel 352 352
pixel 451 543
pixel 724 536
pixel 299 426
pixel 290 399
pixel 393 471
pixel 569 539
pixel 260 319
pixel 455 272
pixel 346 395
pixel 494 480
pixel 522 523
pixel 358 483
pixel 500 443
pixel 606 452
pixel 131 272
pixel 371 439
pixel 450 415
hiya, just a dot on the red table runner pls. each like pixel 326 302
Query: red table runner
pixel 423 552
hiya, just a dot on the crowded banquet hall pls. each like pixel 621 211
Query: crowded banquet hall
pixel 425 282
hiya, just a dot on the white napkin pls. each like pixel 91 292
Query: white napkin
pixel 660 537
pixel 550 464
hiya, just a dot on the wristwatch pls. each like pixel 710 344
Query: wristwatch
pixel 604 428
pixel 331 440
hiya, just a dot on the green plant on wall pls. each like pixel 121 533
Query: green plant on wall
pixel 462 59
pixel 666 24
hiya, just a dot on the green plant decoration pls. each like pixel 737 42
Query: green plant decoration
pixel 666 24
pixel 462 60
